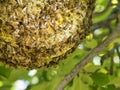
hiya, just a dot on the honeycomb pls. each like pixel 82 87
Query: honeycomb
pixel 39 33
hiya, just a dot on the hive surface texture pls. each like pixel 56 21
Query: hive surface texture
pixel 38 33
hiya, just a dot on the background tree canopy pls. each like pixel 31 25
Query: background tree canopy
pixel 100 53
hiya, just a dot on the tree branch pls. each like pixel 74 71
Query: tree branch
pixel 89 57
pixel 111 62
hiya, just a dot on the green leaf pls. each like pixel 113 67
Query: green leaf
pixel 78 84
pixel 1 84
pixel 50 74
pixel 109 87
pixel 4 72
pixel 86 79
pixel 100 79
pixel 47 85
pixel 116 81
pixel 90 43
pixel 90 67
pixel 18 74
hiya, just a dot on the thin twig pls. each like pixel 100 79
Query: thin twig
pixel 84 61
pixel 118 52
pixel 117 49
pixel 111 62
pixel 103 58
pixel 104 23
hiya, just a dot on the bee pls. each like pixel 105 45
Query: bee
pixel 27 61
pixel 20 2
pixel 9 8
pixel 1 23
pixel 11 1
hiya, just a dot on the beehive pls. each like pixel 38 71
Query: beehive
pixel 38 33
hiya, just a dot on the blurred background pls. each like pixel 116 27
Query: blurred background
pixel 102 73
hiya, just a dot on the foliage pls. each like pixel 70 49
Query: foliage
pixel 102 73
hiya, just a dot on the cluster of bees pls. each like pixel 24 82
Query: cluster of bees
pixel 38 33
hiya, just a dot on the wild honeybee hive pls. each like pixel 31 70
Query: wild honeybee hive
pixel 38 33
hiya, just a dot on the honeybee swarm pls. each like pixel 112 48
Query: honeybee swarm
pixel 38 33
